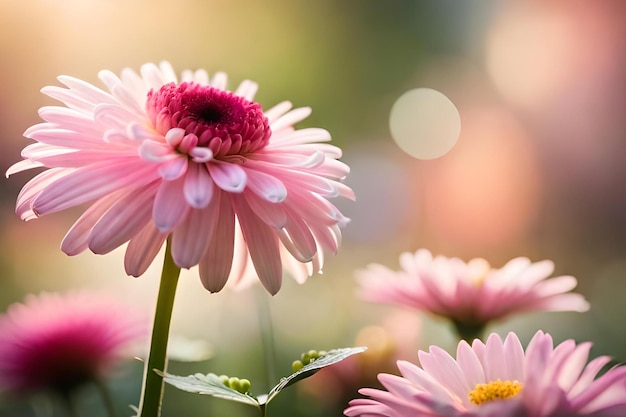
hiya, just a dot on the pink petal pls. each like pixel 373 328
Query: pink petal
pixel 198 187
pixel 216 264
pixel 291 118
pixel 174 168
pixel 514 355
pixel 170 206
pixel 142 249
pixel 495 361
pixel 470 364
pixel 67 138
pixel 301 236
pixel 441 366
pixel 229 177
pixel 21 166
pixel 70 99
pixel 77 238
pixel 219 80
pixel 86 90
pixel 70 119
pixel 272 214
pixel 277 111
pixel 123 221
pixel 262 243
pixel 247 89
pixel 92 182
pixel 156 151
pixel 34 187
pixel 191 238
pixel 113 116
pixel 266 186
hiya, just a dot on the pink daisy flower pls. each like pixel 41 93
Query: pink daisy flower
pixel 59 342
pixel 500 379
pixel 158 157
pixel 470 294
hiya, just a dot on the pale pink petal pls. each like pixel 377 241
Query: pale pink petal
pixel 170 206
pixel 573 365
pixel 86 90
pixel 174 168
pixel 216 264
pixel 91 182
pixel 191 238
pixel 289 119
pixel 21 166
pixel 266 186
pixel 198 187
pixel 588 375
pixel 514 358
pixel 34 187
pixel 562 302
pixel 219 80
pixel 301 236
pixel 441 366
pixel 157 152
pixel 272 214
pixel 300 137
pixel 277 111
pixel 142 249
pixel 262 243
pixel 229 177
pixel 68 118
pixel 247 89
pixel 77 238
pixel 470 365
pixel 67 138
pixel 122 221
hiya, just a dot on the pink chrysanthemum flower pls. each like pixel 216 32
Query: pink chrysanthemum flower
pixel 470 294
pixel 157 157
pixel 499 379
pixel 59 342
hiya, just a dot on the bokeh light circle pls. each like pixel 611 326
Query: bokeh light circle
pixel 424 123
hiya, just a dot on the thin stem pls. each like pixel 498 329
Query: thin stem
pixel 267 336
pixel 150 405
pixel 107 400
pixel 70 405
pixel 469 331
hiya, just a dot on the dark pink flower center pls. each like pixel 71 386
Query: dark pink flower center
pixel 224 122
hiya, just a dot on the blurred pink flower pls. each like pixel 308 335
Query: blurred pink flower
pixel 158 158
pixel 59 342
pixel 500 379
pixel 470 294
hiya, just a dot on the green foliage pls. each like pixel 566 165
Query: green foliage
pixel 237 389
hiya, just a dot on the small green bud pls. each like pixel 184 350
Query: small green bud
pixel 322 353
pixel 224 379
pixel 309 356
pixel 244 386
pixel 296 366
pixel 234 383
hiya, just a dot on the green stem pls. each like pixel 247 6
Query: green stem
pixel 106 398
pixel 150 405
pixel 267 336
pixel 469 331
pixel 69 403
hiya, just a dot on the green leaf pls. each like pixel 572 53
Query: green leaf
pixel 209 384
pixel 330 358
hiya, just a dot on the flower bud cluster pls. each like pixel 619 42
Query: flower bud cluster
pixel 306 358
pixel 241 385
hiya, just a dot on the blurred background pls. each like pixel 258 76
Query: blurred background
pixel 538 169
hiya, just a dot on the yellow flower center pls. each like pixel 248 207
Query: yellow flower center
pixel 494 390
